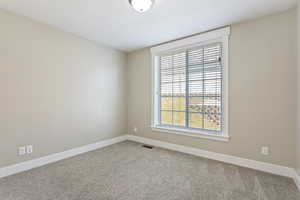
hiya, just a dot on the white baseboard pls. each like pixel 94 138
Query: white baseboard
pixel 297 178
pixel 24 166
pixel 257 165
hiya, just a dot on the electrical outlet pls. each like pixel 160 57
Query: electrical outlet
pixel 135 129
pixel 29 149
pixel 265 151
pixel 22 151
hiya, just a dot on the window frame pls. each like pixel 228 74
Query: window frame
pixel 216 36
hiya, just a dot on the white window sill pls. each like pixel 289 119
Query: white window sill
pixel 191 133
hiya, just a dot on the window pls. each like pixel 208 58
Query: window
pixel 190 86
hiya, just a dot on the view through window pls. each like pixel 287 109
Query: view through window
pixel 191 88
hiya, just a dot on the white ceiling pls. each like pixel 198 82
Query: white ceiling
pixel 114 23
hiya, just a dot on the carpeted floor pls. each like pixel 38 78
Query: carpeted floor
pixel 127 171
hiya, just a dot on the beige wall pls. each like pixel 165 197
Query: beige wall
pixel 57 91
pixel 262 95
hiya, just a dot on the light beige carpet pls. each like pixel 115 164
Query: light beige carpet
pixel 127 171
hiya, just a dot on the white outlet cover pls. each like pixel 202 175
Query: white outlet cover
pixel 22 151
pixel 135 129
pixel 265 151
pixel 29 149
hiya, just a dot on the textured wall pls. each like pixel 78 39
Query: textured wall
pixel 262 95
pixel 57 91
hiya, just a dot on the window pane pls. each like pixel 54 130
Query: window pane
pixel 166 62
pixel 196 56
pixel 166 103
pixel 166 117
pixel 179 88
pixel 213 71
pixel 166 76
pixel 212 53
pixel 212 122
pixel 212 87
pixel 196 73
pixel 212 104
pixel 196 120
pixel 179 118
pixel 179 103
pixel 196 104
pixel 179 74
pixel 196 88
pixel 166 89
pixel 213 115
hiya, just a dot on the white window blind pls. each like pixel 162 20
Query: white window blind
pixel 191 88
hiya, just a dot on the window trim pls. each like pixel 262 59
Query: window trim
pixel 220 35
